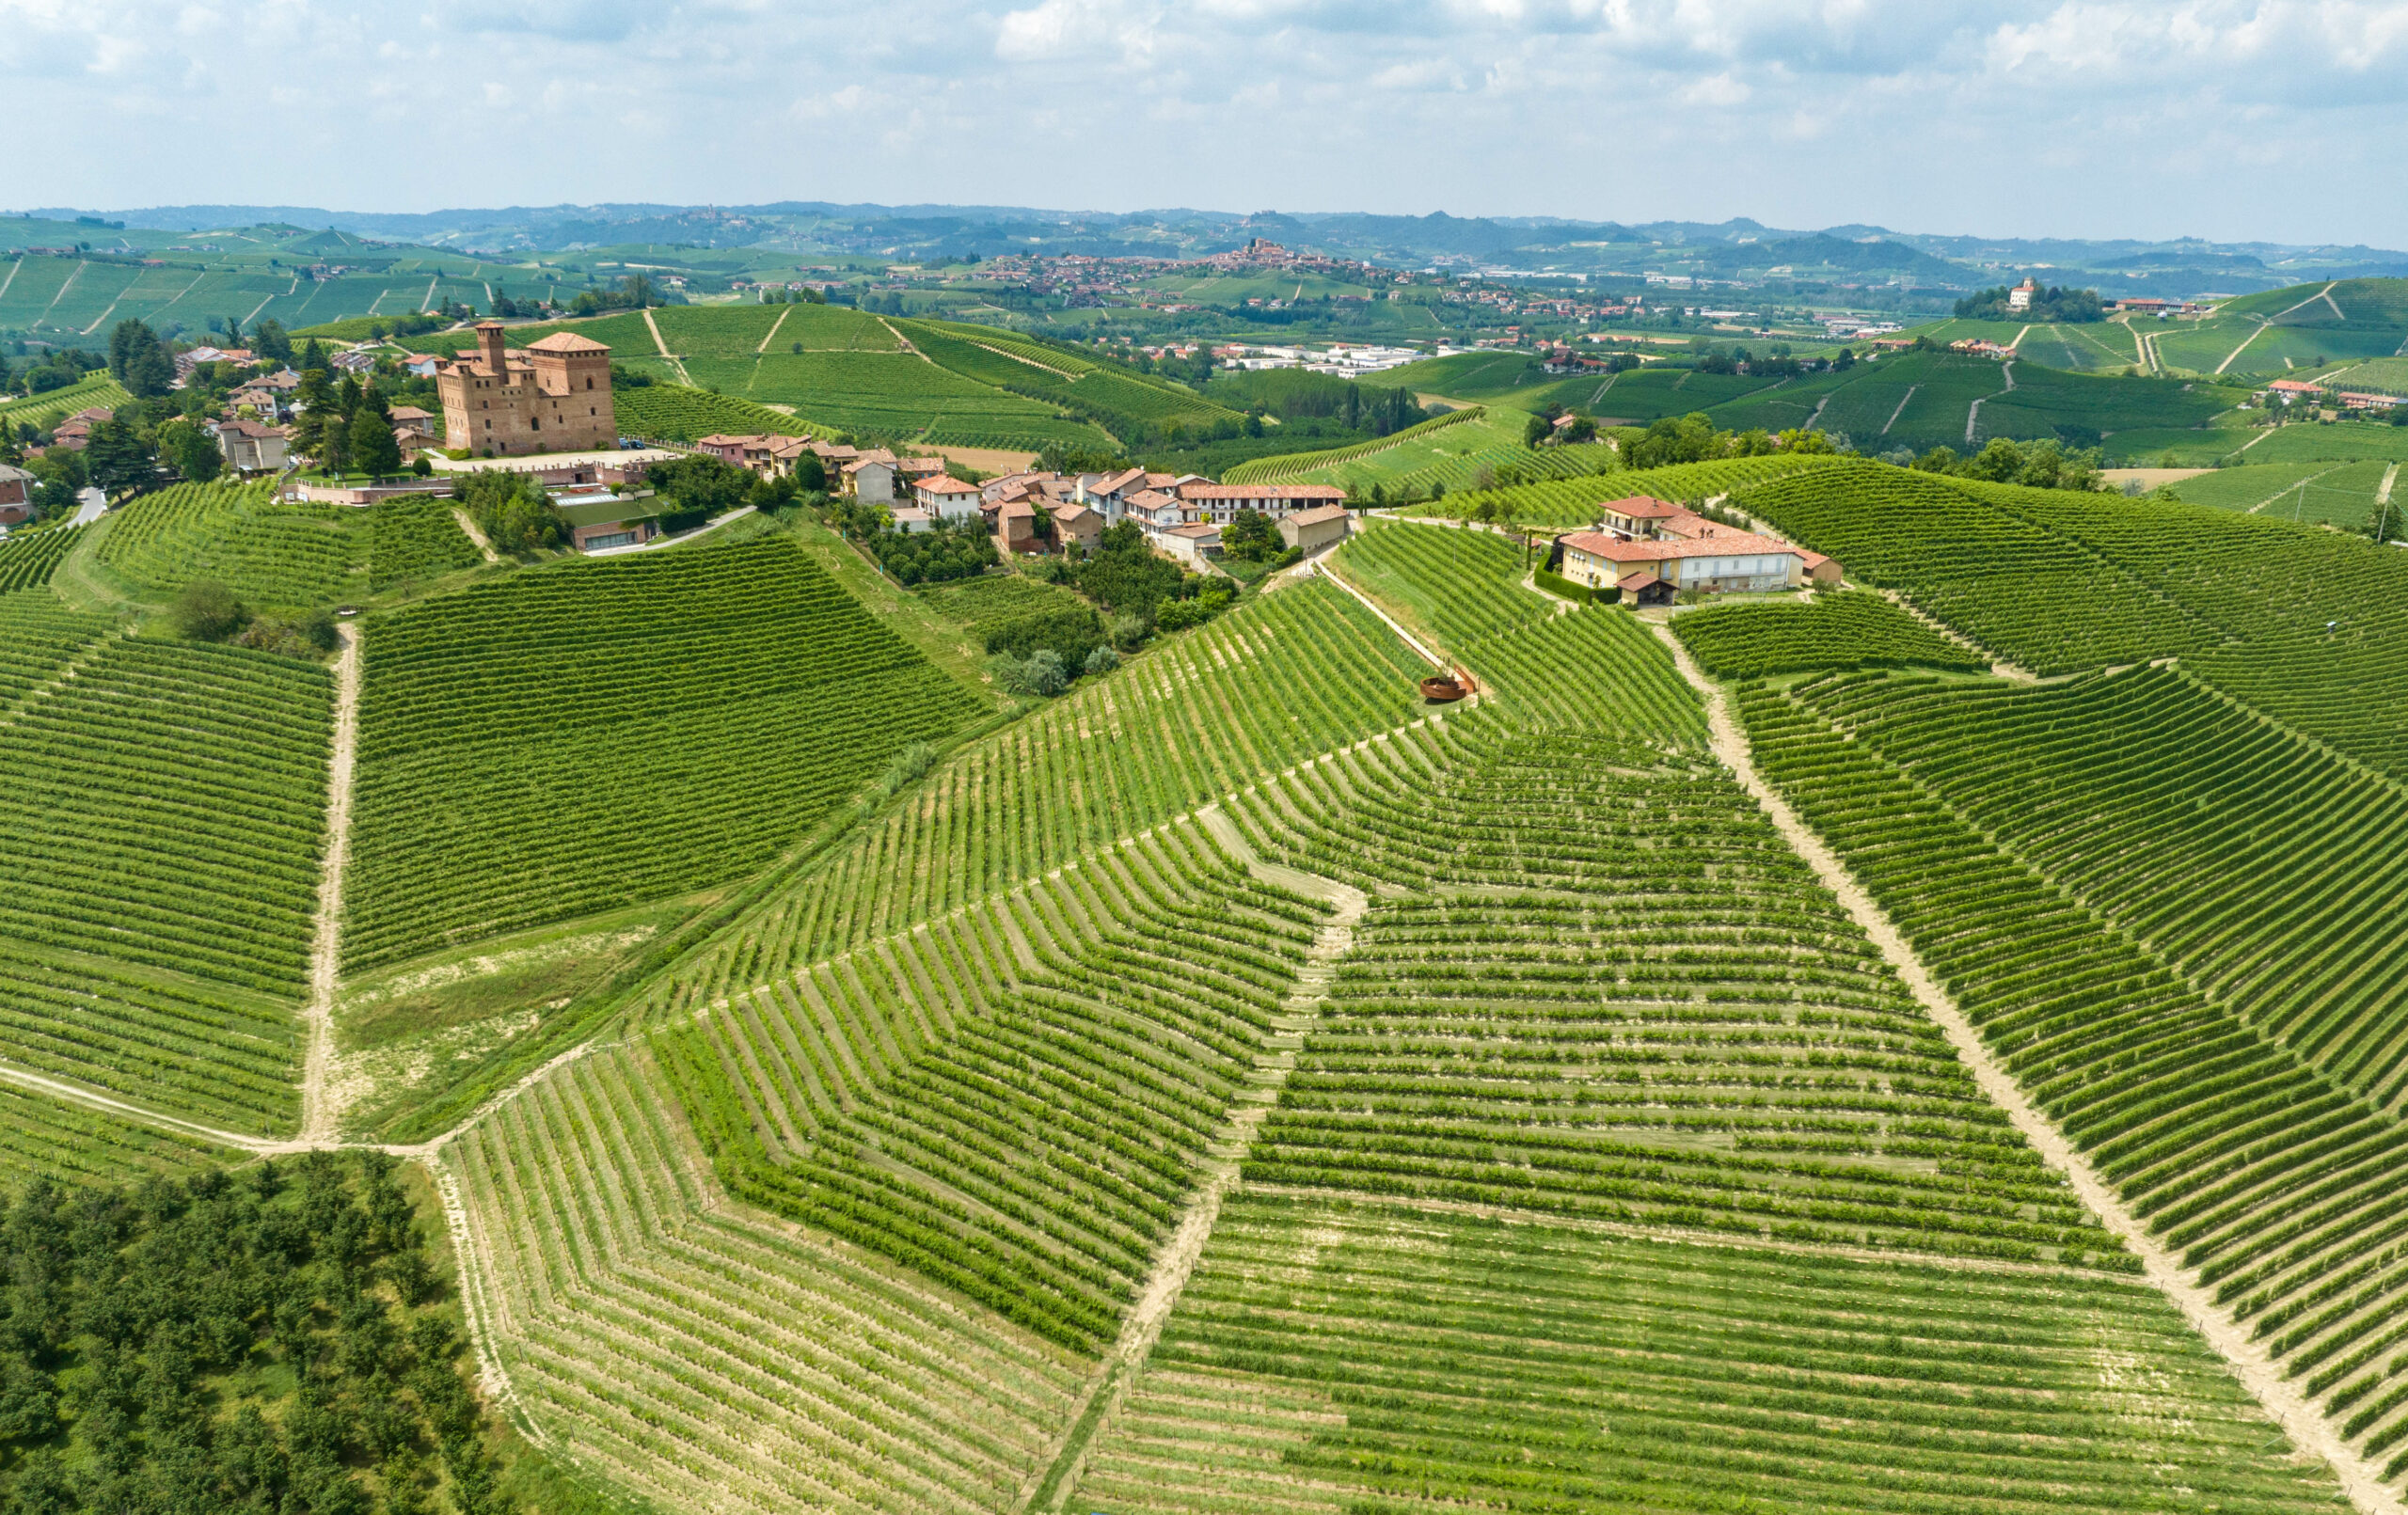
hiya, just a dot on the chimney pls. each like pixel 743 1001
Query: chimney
pixel 489 341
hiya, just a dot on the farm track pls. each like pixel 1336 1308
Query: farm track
pixel 1974 411
pixel 774 326
pixel 1901 410
pixel 475 533
pixel 1997 664
pixel 320 1114
pixel 662 343
pixel 2283 1401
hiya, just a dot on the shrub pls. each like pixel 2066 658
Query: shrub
pixel 206 610
pixel 1041 675
pixel 914 760
pixel 1102 660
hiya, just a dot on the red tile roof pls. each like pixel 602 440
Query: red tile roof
pixel 1733 545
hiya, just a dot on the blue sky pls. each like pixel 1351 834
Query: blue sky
pixel 2237 120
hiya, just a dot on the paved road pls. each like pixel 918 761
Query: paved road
pixel 91 505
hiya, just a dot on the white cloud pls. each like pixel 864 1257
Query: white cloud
pixel 2251 118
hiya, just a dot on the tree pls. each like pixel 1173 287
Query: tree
pixel 191 451
pixel 372 449
pixel 270 342
pixel 1538 429
pixel 1251 536
pixel 701 483
pixel 206 610
pixel 139 360
pixel 117 458
pixel 810 473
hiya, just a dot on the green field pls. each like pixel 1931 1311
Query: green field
pixel 1565 504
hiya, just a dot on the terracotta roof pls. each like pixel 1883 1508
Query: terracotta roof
pixel 1319 513
pixel 567 341
pixel 1633 583
pixel 1736 544
pixel 1017 509
pixel 1148 500
pixel 1194 533
pixel 1114 484
pixel 1642 507
pixel 1321 492
pixel 945 483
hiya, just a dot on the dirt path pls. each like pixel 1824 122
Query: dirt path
pixel 1974 411
pixel 320 1114
pixel 662 344
pixel 775 326
pixel 1051 1489
pixel 2383 491
pixel 11 278
pixel 1901 410
pixel 1410 639
pixel 2283 1401
pixel 476 534
pixel 1999 666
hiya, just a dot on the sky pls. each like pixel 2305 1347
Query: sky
pixel 2279 120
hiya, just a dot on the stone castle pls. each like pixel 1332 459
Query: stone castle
pixel 553 396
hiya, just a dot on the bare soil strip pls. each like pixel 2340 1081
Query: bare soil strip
pixel 773 330
pixel 2359 1478
pixel 476 534
pixel 662 343
pixel 319 1114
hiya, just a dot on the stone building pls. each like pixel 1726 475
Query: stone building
pixel 551 397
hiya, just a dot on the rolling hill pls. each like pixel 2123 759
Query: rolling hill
pixel 1753 1057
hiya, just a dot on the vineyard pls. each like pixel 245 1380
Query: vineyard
pixel 161 861
pixel 887 394
pixel 1844 630
pixel 1332 1355
pixel 710 1357
pixel 1273 681
pixel 267 552
pixel 1121 401
pixel 567 741
pixel 1237 1084
pixel 46 409
pixel 1290 468
pixel 413 539
pixel 2235 1131
pixel 1568 504
pixel 1016 1100
pixel 677 413
pixel 2017 588
pixel 28 559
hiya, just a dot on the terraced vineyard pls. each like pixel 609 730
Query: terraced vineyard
pixel 161 858
pixel 268 553
pixel 696 711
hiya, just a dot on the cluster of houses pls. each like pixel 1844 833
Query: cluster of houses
pixel 1183 514
pixel 2293 392
pixel 1651 549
